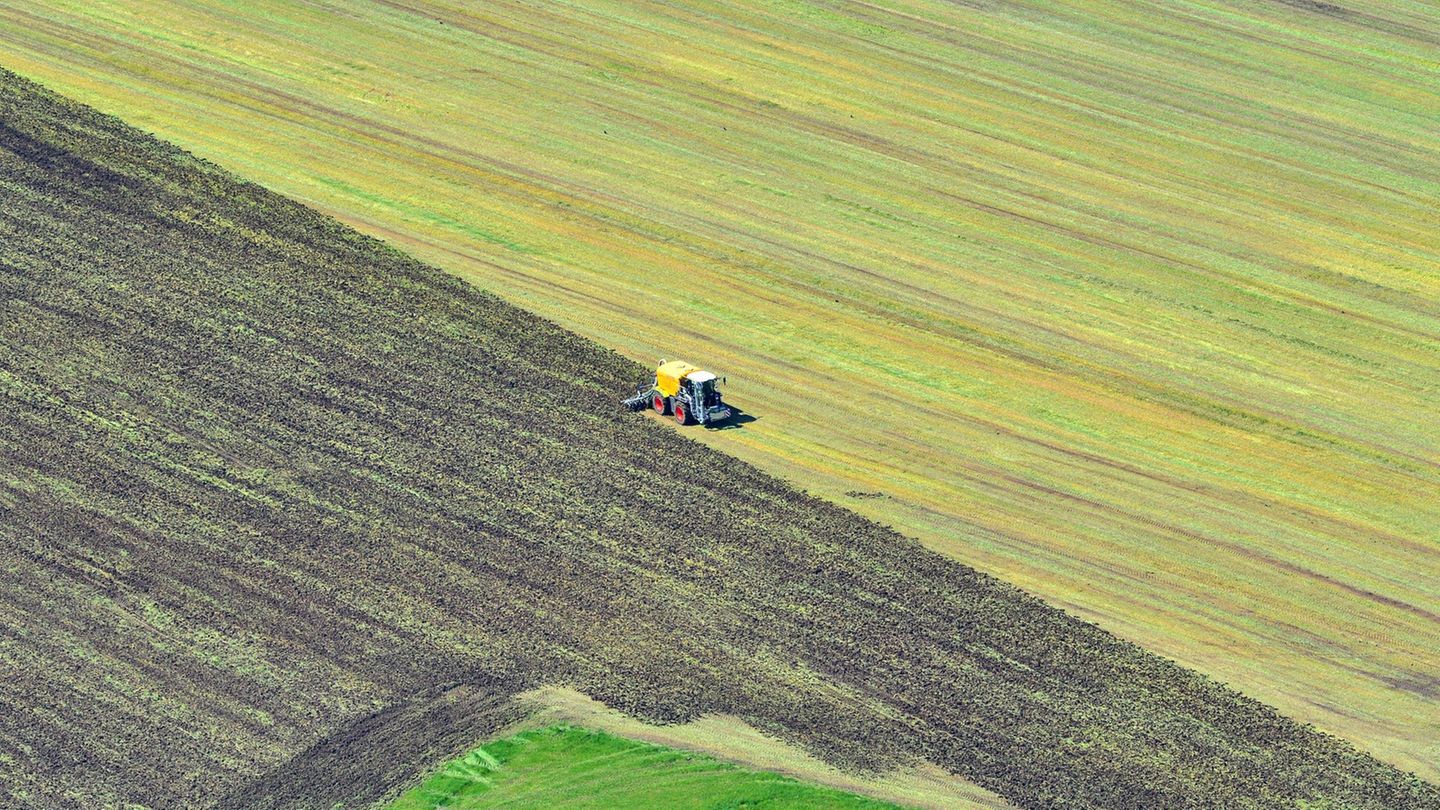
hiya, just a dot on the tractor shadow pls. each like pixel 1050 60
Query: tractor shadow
pixel 738 419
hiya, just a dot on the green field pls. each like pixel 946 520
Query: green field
pixel 728 738
pixel 564 767
pixel 287 517
pixel 1132 304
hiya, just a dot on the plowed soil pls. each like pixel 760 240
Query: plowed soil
pixel 370 760
pixel 262 478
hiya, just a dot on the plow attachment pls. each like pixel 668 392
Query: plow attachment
pixel 641 398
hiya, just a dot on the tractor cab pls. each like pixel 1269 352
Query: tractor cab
pixel 703 391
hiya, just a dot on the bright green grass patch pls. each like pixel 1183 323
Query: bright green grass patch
pixel 564 766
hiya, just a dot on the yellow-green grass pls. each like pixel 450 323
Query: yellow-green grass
pixel 921 785
pixel 564 766
pixel 1133 304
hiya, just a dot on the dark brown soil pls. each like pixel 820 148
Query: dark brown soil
pixel 262 478
pixel 373 759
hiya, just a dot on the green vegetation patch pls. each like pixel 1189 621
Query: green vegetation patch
pixel 565 766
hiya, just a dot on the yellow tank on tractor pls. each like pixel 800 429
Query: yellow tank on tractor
pixel 689 393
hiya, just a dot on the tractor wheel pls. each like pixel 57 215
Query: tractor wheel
pixel 659 404
pixel 681 414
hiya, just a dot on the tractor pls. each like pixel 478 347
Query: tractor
pixel 689 393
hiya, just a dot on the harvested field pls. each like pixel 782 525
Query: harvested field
pixel 1132 304
pixel 262 477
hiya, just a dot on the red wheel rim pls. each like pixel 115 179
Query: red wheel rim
pixel 659 403
pixel 680 413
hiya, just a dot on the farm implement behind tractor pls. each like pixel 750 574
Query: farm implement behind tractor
pixel 690 393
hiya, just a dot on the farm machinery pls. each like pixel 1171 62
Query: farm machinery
pixel 688 392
